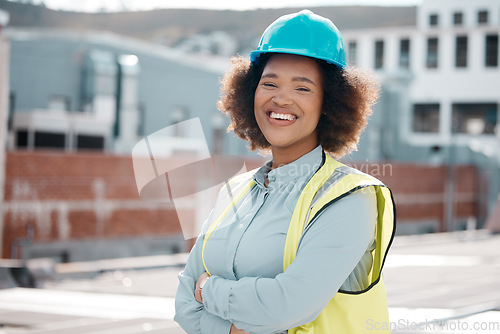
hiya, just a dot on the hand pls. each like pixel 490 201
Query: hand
pixel 235 330
pixel 199 284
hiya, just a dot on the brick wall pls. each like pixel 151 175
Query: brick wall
pixel 421 192
pixel 87 196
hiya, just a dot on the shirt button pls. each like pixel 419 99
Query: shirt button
pixel 272 179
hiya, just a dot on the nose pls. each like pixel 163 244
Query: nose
pixel 281 99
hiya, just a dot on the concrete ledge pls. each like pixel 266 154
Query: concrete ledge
pixel 140 262
pixel 97 305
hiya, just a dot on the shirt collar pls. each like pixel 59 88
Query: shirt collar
pixel 303 167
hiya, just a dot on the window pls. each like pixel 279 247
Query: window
pixel 433 20
pixel 458 18
pixel 89 142
pixel 21 138
pixel 426 118
pixel 50 140
pixel 379 54
pixel 474 118
pixel 482 17
pixel 491 59
pixel 432 52
pixel 404 53
pixel 461 51
pixel 352 53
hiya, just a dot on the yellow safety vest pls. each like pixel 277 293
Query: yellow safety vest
pixel 349 312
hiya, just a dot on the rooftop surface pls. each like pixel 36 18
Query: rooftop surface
pixel 436 283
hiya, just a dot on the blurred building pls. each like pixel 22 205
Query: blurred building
pixel 74 92
pixel 4 93
pixel 440 97
pixel 216 42
pixel 74 96
pixel 100 91
pixel 440 80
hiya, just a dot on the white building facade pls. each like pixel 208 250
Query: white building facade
pixel 446 71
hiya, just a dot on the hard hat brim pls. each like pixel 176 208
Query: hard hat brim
pixel 254 56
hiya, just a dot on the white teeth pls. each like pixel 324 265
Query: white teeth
pixel 287 117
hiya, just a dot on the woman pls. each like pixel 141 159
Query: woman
pixel 298 245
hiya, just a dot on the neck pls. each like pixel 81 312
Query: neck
pixel 285 155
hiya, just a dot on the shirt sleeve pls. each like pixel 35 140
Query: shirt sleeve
pixel 190 314
pixel 329 251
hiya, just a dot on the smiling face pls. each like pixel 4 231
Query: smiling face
pixel 288 102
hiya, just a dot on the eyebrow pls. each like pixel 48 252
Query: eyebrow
pixel 303 79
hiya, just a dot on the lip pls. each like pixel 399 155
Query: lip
pixel 280 122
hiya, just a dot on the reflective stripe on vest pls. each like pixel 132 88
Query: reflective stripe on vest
pixel 364 311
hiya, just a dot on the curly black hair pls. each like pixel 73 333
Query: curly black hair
pixel 348 97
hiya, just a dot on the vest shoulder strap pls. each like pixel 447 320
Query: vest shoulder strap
pixel 332 182
pixel 230 194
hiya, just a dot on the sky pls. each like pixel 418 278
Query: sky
pixel 117 5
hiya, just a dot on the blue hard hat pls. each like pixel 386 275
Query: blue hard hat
pixel 303 33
